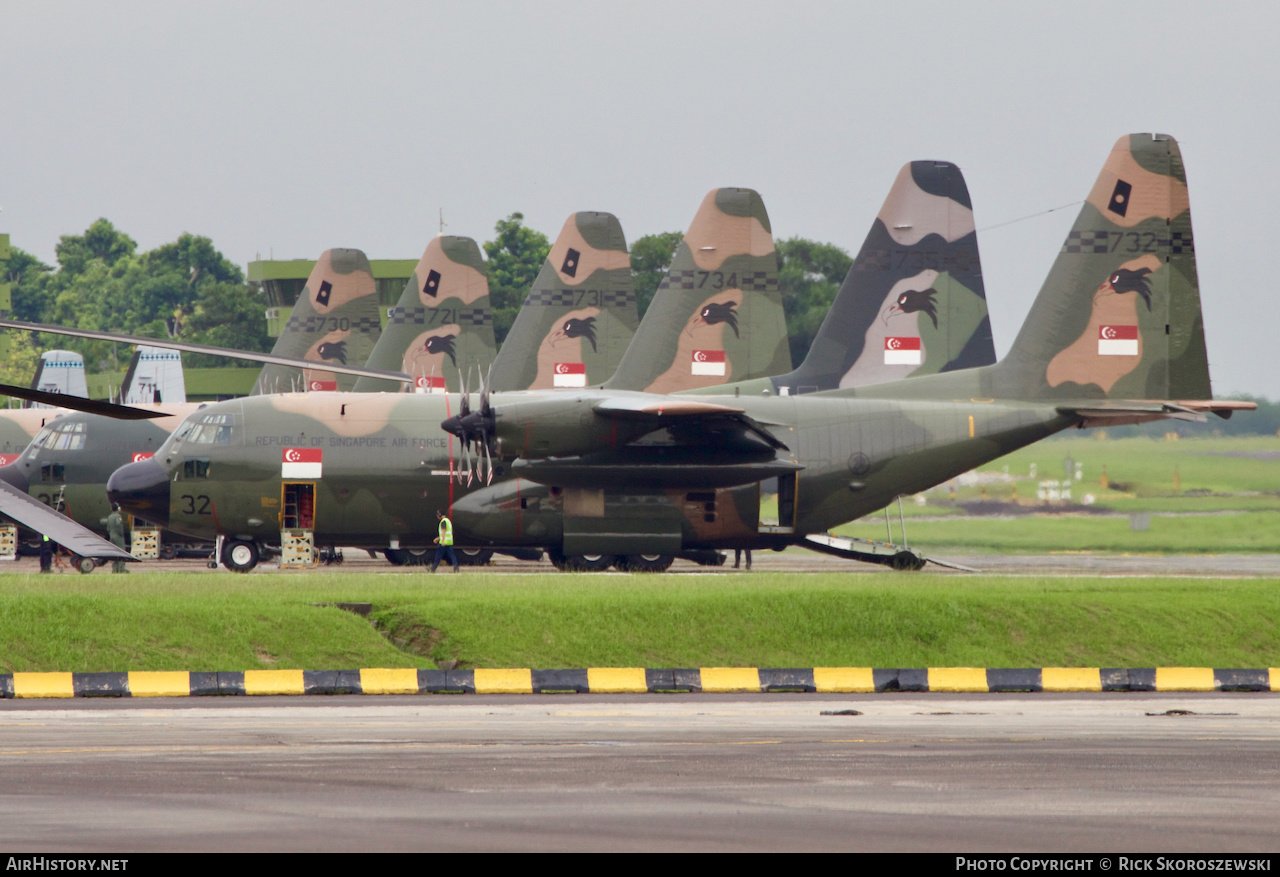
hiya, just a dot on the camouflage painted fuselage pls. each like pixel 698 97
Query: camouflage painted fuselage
pixel 386 468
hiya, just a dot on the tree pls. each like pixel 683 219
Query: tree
pixel 186 289
pixel 809 276
pixel 515 257
pixel 650 258
pixel 100 241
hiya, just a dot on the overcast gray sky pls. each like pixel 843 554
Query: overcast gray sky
pixel 283 129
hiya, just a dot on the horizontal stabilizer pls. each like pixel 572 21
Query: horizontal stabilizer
pixel 79 403
pixel 35 515
pixel 250 356
pixel 1129 412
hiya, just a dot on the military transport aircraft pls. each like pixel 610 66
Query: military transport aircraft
pixel 67 463
pixel 1115 336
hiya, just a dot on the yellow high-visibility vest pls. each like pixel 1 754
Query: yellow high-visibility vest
pixel 446 531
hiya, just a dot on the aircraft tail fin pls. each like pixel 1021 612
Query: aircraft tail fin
pixel 154 375
pixel 60 371
pixel 913 302
pixel 580 314
pixel 717 316
pixel 1119 314
pixel 442 325
pixel 335 319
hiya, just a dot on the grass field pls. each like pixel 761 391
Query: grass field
pixel 1226 498
pixel 163 621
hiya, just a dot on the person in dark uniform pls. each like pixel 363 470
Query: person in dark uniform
pixel 737 557
pixel 115 532
pixel 47 547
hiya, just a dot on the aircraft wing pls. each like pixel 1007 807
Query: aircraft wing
pixel 35 515
pixel 687 412
pixel 269 358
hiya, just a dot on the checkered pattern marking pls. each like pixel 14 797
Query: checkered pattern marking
pixel 474 317
pixel 758 281
pixel 1088 242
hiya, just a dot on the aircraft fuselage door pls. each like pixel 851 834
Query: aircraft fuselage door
pixel 298 505
pixel 784 489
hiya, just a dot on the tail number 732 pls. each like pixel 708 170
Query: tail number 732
pixel 195 505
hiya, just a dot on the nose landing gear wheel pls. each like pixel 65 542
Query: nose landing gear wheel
pixel 239 556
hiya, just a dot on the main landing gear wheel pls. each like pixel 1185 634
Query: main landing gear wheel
pixel 410 556
pixel 581 562
pixel 644 562
pixel 239 556
pixel 85 565
pixel 473 556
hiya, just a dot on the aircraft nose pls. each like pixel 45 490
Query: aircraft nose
pixel 141 489
pixel 16 476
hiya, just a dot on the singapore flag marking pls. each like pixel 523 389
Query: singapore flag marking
pixel 323 386
pixel 708 362
pixel 569 374
pixel 429 384
pixel 902 351
pixel 301 462
pixel 1117 340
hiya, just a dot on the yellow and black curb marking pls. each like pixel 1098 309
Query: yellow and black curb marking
pixel 631 680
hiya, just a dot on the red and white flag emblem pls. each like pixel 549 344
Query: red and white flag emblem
pixel 708 362
pixel 570 374
pixel 323 386
pixel 902 351
pixel 429 384
pixel 139 456
pixel 1117 341
pixel 301 462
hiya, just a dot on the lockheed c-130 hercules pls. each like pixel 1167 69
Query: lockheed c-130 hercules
pixel 1115 336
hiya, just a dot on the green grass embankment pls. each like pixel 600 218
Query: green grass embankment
pixel 205 622
pixel 1165 534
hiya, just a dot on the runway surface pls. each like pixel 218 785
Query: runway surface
pixel 1155 773
pixel 802 560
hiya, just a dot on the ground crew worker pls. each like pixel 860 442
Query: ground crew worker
pixel 444 542
pixel 46 554
pixel 115 532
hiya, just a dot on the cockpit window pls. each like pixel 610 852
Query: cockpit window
pixel 59 437
pixel 207 429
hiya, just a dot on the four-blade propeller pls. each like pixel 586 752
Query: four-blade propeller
pixel 479 427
